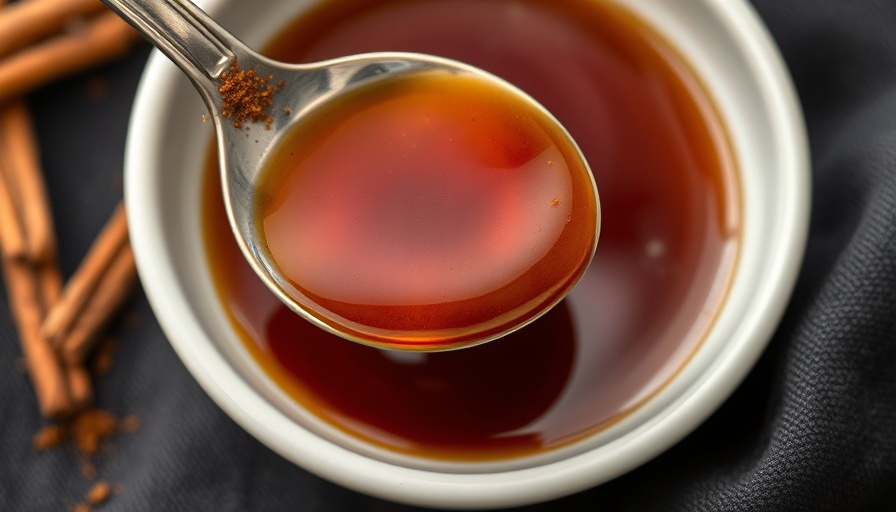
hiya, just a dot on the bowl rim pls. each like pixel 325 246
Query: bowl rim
pixel 431 488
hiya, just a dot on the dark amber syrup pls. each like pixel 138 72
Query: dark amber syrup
pixel 669 237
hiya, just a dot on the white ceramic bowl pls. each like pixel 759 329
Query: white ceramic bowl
pixel 731 52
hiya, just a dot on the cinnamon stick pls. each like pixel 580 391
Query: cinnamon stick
pixel 25 180
pixel 113 290
pixel 27 239
pixel 33 278
pixel 84 281
pixel 102 38
pixel 80 389
pixel 27 21
pixel 42 361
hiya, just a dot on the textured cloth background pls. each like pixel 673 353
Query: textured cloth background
pixel 812 428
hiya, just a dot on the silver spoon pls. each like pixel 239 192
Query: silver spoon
pixel 204 50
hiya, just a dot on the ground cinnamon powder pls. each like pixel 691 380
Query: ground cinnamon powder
pixel 91 427
pixel 87 430
pixel 49 437
pixel 99 493
pixel 245 96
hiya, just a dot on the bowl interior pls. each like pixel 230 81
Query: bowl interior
pixel 733 56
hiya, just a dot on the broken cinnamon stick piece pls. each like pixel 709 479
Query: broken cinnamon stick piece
pixel 102 38
pixel 42 361
pixel 114 289
pixel 27 21
pixel 25 180
pixel 84 281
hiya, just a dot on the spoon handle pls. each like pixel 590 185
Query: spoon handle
pixel 188 36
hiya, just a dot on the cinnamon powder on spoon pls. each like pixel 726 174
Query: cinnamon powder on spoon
pixel 245 96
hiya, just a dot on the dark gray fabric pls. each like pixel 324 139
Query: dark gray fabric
pixel 812 428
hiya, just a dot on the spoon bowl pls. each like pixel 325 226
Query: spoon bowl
pixel 294 92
